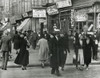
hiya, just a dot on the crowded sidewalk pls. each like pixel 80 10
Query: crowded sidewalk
pixel 34 58
pixel 34 69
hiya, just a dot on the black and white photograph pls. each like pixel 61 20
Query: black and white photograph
pixel 49 38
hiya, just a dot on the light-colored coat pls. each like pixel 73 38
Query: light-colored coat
pixel 43 49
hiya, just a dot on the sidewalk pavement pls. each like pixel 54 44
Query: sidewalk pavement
pixel 34 69
pixel 34 58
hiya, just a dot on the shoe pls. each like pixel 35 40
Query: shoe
pixel 5 69
pixel 77 67
pixel 42 65
pixel 25 68
pixel 62 69
pixel 58 74
pixel 2 68
pixel 22 68
pixel 81 69
pixel 87 68
pixel 52 72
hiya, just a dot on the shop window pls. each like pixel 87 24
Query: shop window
pixel 91 16
pixel 79 26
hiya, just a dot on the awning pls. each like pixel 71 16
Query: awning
pixel 4 25
pixel 83 3
pixel 24 25
pixel 7 26
pixel 14 18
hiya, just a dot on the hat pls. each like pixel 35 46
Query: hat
pixel 56 31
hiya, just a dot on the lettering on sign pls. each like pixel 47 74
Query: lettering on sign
pixel 98 21
pixel 52 10
pixel 62 4
pixel 39 13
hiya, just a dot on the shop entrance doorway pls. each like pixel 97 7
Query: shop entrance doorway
pixel 79 26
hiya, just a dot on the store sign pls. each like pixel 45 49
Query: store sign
pixel 81 15
pixel 98 21
pixel 52 10
pixel 62 4
pixel 39 13
pixel 81 18
pixel 72 17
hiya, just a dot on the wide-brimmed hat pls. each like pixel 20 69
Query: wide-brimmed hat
pixel 57 31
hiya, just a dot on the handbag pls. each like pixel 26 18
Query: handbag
pixel 74 60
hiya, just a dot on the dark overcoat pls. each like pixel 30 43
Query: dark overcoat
pixel 5 43
pixel 23 56
pixel 16 39
pixel 87 51
pixel 54 50
pixel 33 40
pixel 63 49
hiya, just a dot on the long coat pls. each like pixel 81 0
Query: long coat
pixel 33 40
pixel 63 49
pixel 23 56
pixel 16 41
pixel 43 49
pixel 54 51
pixel 87 51
pixel 5 43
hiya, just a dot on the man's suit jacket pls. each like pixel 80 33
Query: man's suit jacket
pixel 5 43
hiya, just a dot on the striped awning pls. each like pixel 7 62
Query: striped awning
pixel 24 25
pixel 6 26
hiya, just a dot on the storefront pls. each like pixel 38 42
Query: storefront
pixel 39 17
pixel 81 18
pixel 87 15
pixel 52 17
pixel 59 14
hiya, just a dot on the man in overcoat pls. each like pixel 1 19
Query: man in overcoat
pixel 34 39
pixel 76 46
pixel 5 48
pixel 63 49
pixel 54 53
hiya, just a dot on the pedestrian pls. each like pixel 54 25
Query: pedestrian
pixel 47 36
pixel 76 47
pixel 63 49
pixel 54 54
pixel 16 39
pixel 34 39
pixel 43 50
pixel 95 47
pixel 87 50
pixel 23 54
pixel 5 49
pixel 80 53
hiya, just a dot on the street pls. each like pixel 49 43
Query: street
pixel 34 69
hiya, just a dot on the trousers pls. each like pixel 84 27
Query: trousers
pixel 5 56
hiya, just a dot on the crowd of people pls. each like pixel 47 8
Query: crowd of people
pixel 85 48
pixel 53 49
